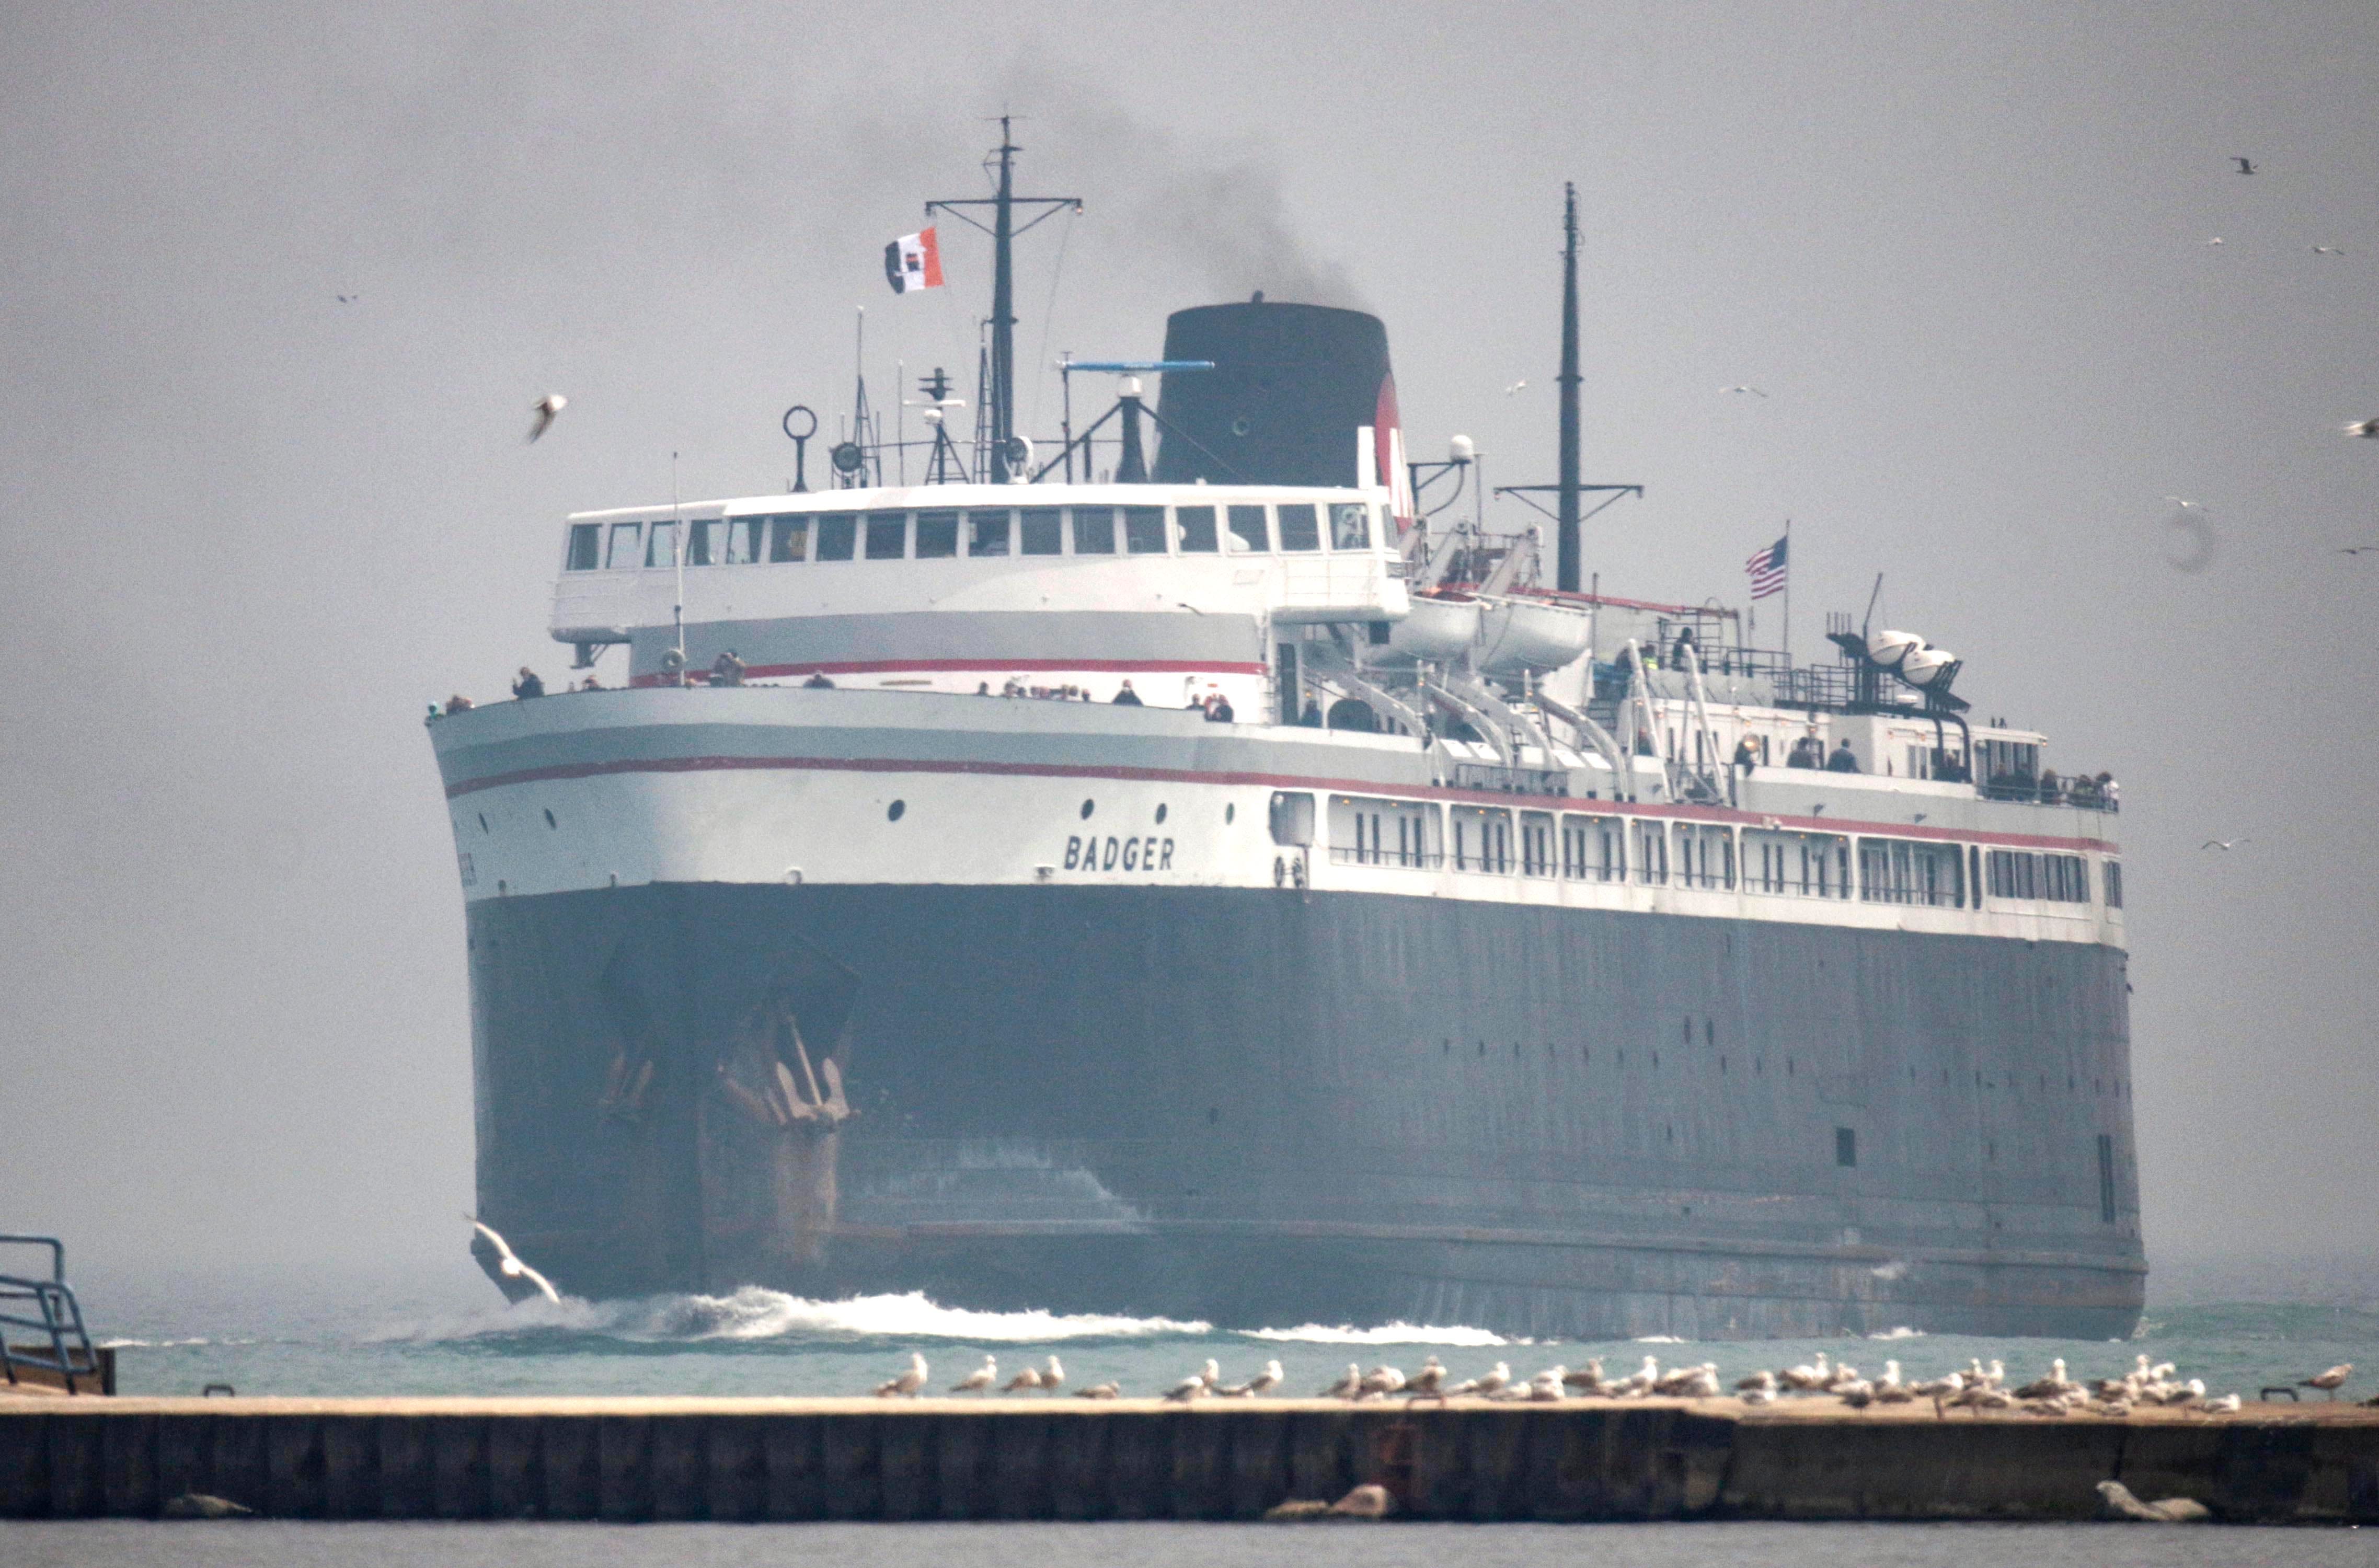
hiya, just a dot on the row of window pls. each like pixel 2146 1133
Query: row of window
pixel 2058 879
pixel 1293 527
pixel 1410 835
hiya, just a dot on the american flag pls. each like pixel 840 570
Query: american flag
pixel 1768 569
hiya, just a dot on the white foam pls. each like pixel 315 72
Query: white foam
pixel 753 1314
pixel 1901 1332
pixel 160 1344
pixel 1660 1339
pixel 1386 1334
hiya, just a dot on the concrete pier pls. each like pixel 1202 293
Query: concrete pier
pixel 632 1460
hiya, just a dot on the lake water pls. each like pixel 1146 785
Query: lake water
pixel 451 1334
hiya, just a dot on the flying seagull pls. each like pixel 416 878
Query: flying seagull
pixel 2224 843
pixel 546 407
pixel 2357 550
pixel 2216 240
pixel 2367 428
pixel 1515 386
pixel 2327 250
pixel 348 298
pixel 509 1265
pixel 2246 165
pixel 2184 505
pixel 1752 391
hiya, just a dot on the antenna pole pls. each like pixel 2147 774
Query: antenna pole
pixel 677 547
pixel 1565 538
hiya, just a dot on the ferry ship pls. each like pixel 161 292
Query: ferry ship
pixel 1430 940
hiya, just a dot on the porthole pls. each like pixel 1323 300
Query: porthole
pixel 894 812
pixel 549 817
pixel 1239 427
pixel 1160 813
pixel 1088 807
pixel 1228 813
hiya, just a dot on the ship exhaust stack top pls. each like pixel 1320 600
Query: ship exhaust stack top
pixel 1292 389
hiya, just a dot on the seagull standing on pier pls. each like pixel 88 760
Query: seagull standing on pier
pixel 980 1380
pixel 509 1264
pixel 906 1385
pixel 1263 1382
pixel 1052 1377
pixel 2332 1381
pixel 1487 1386
pixel 1029 1378
pixel 1347 1387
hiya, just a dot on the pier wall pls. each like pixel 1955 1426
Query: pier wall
pixel 633 1460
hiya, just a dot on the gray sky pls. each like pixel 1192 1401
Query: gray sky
pixel 251 531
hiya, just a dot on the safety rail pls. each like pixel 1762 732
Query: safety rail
pixel 1404 860
pixel 2085 792
pixel 60 1321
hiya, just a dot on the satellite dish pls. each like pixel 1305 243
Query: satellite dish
pixel 847 457
pixel 1462 449
pixel 1018 452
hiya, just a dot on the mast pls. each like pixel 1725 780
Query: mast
pixel 1003 309
pixel 999 415
pixel 1567 546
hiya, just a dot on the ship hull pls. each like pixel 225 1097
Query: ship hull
pixel 1264 1107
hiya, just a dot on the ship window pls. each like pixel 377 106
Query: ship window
pixel 1300 526
pixel 836 536
pixel 1040 533
pixel 2113 875
pixel 1845 1146
pixel 661 545
pixel 585 546
pixel 1535 843
pixel 700 540
pixel 1143 530
pixel 986 533
pixel 1249 531
pixel 2105 1179
pixel 1095 530
pixel 1195 526
pixel 789 539
pixel 742 543
pixel 1351 526
pixel 888 535
pixel 624 537
pixel 937 535
pixel 1482 839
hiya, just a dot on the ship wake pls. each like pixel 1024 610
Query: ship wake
pixel 756 1315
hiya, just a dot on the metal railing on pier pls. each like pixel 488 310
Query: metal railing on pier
pixel 52 1312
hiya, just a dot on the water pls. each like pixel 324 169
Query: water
pixel 448 1332
pixel 270 1544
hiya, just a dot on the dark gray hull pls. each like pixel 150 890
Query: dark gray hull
pixel 1263 1108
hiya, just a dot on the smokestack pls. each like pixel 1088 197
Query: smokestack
pixel 1566 549
pixel 1290 387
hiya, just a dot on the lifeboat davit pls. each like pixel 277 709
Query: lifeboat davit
pixel 1522 633
pixel 1439 629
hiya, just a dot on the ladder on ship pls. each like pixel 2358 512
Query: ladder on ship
pixel 50 1310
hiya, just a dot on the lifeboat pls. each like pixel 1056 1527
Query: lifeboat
pixel 1438 629
pixel 1521 633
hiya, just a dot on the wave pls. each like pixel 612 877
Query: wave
pixel 161 1344
pixel 753 1314
pixel 1386 1334
pixel 1660 1339
pixel 1902 1332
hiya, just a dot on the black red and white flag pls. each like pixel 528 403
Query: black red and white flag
pixel 913 261
pixel 1768 569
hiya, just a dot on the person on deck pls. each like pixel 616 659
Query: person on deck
pixel 728 671
pixel 1807 752
pixel 1844 760
pixel 1746 754
pixel 1127 697
pixel 1218 711
pixel 818 681
pixel 528 685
